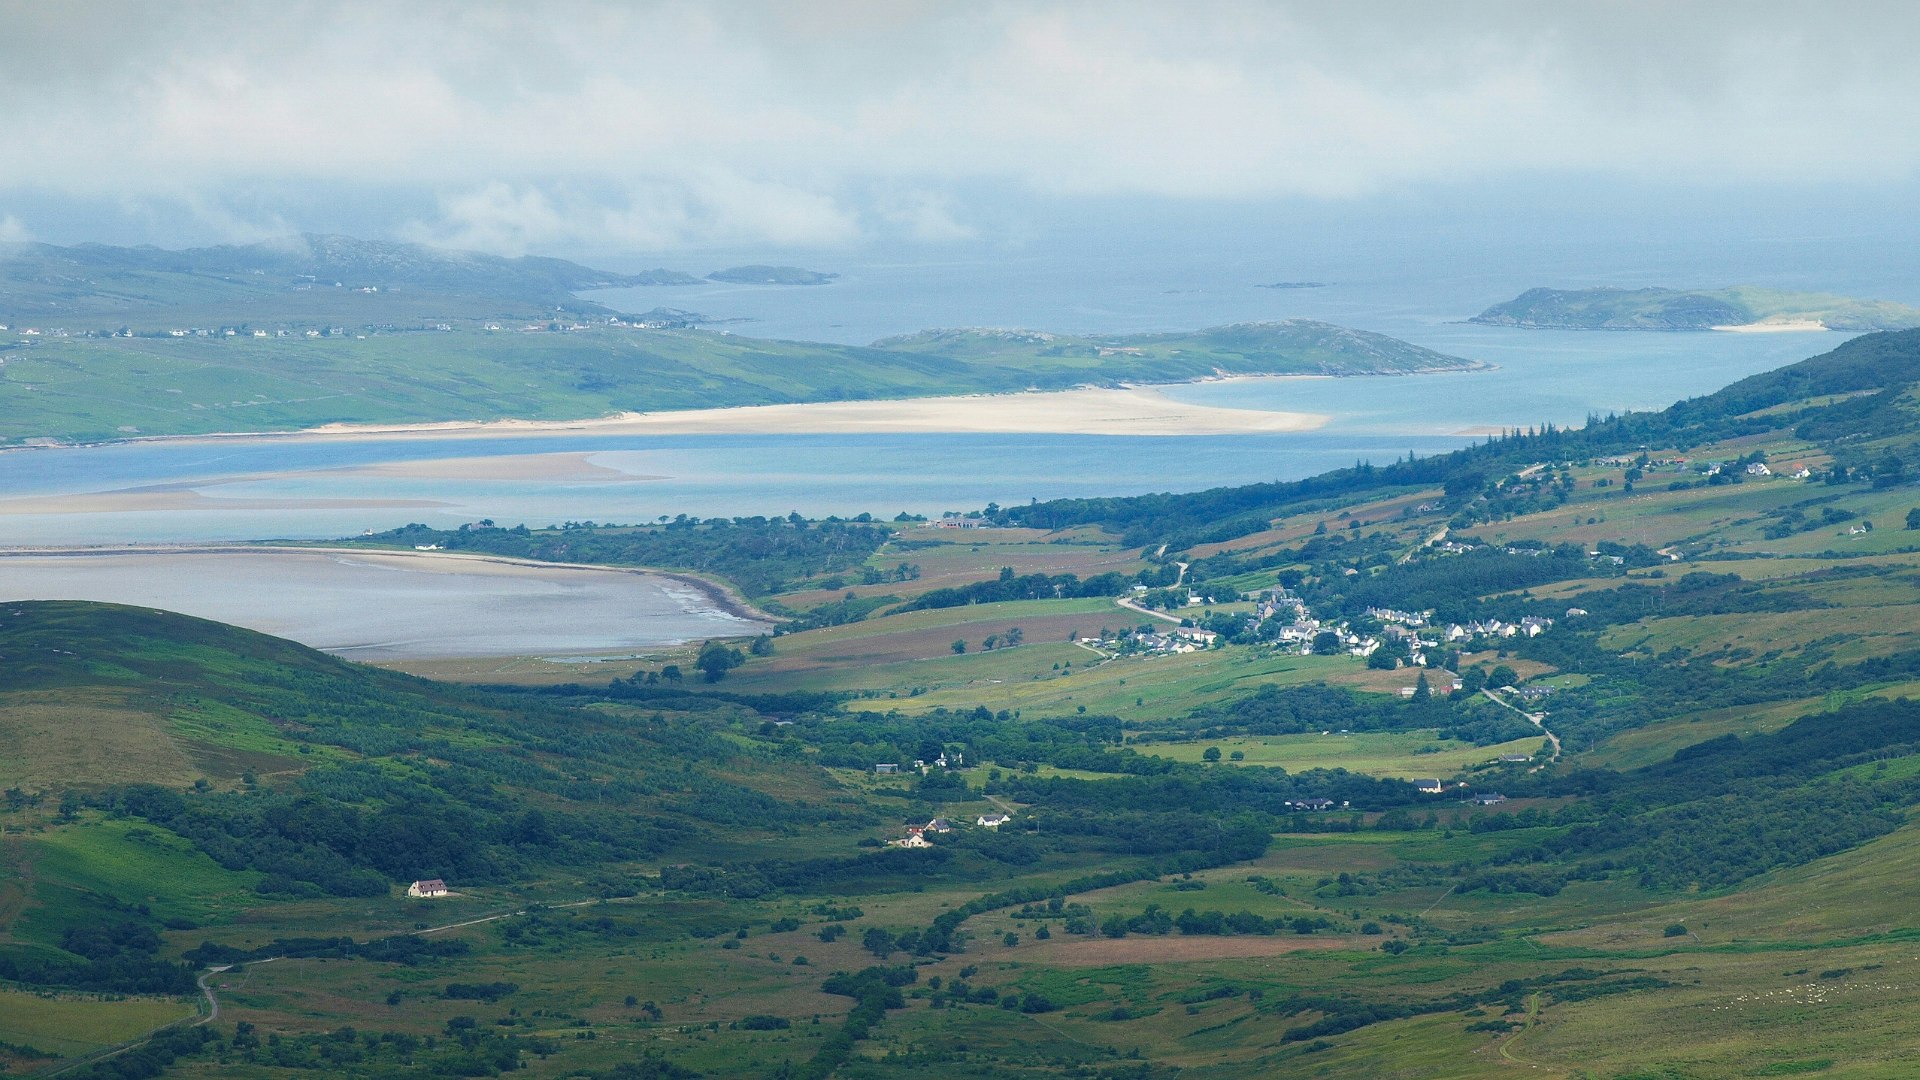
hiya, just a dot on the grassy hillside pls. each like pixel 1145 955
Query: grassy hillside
pixel 314 275
pixel 1693 309
pixel 1710 761
pixel 1136 902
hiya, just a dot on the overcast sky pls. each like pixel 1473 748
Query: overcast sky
pixel 661 126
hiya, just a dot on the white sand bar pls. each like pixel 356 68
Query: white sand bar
pixel 1779 326
pixel 1086 411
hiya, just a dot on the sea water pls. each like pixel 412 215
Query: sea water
pixel 1419 291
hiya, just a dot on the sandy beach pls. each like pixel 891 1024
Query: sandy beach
pixel 1781 326
pixel 1132 410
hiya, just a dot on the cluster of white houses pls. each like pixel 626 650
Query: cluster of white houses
pixel 917 834
pixel 1412 630
pixel 957 760
pixel 1176 639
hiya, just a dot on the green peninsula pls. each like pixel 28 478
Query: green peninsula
pixel 106 343
pixel 771 275
pixel 1743 307
pixel 1290 347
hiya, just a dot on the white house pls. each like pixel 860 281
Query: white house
pixel 991 821
pixel 911 840
pixel 429 887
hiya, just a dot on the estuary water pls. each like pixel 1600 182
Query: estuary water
pixel 375 606
pixel 286 488
pixel 295 488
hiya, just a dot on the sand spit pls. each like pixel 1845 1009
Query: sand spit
pixel 1127 410
pixel 1780 326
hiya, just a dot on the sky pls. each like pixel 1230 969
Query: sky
pixel 839 125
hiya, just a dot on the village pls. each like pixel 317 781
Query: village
pixel 1281 618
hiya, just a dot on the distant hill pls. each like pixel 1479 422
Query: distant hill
pixel 1698 309
pixel 771 275
pixel 330 329
pixel 1292 347
pixel 41 281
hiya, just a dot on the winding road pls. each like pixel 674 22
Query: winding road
pixel 1536 719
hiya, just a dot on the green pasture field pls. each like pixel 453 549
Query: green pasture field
pixel 952 557
pixel 1400 754
pixel 1851 637
pixel 1652 515
pixel 73 1025
pixel 1132 688
pixel 896 653
pixel 133 859
pixel 1656 742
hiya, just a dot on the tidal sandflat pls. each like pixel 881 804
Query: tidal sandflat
pixel 392 606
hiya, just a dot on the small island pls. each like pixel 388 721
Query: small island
pixel 771 275
pixel 1741 308
pixel 659 276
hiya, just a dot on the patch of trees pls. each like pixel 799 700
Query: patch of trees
pixel 407 949
pixel 761 555
pixel 875 990
pixel 117 957
pixel 1009 586
pixel 1155 920
pixel 1294 710
pixel 488 992
pixel 1454 584
pixel 859 740
pixel 463 1049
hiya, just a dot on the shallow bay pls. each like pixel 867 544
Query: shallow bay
pixel 378 606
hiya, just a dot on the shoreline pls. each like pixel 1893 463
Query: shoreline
pixel 723 595
pixel 1127 409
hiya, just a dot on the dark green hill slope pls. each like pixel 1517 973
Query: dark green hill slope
pixel 1855 403
pixel 330 777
